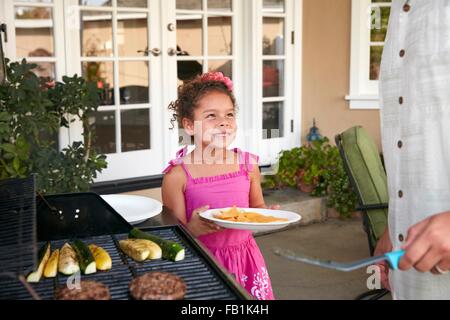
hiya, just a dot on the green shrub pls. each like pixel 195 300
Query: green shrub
pixel 317 164
pixel 31 114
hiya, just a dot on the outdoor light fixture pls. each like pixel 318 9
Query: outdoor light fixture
pixel 2 56
pixel 313 134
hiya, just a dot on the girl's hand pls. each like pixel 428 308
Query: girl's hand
pixel 199 226
pixel 273 207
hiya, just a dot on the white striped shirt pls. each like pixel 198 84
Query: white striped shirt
pixel 415 109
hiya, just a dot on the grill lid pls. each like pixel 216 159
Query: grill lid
pixel 75 215
pixel 17 225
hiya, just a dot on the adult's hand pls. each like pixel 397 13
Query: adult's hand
pixel 427 246
pixel 384 245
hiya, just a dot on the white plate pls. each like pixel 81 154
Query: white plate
pixel 254 226
pixel 134 209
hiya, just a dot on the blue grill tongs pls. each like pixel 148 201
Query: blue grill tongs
pixel 392 258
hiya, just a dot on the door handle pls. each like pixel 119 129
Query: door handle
pixel 4 30
pixel 155 51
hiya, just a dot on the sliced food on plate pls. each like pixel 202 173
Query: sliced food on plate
pixel 253 219
pixel 237 215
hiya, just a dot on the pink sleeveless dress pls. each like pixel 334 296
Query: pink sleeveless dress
pixel 236 250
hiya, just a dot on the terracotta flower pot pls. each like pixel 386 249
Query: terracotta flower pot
pixel 302 186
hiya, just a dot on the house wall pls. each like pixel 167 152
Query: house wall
pixel 326 71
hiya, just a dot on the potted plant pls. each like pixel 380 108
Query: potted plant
pixel 32 111
pixel 317 169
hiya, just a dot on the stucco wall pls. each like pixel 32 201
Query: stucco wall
pixel 326 71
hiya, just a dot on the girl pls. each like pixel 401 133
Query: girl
pixel 214 177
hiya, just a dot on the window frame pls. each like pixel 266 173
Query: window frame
pixel 364 93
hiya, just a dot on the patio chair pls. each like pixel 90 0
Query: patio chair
pixel 362 163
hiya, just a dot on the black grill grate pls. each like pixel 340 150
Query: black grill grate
pixel 88 217
pixel 17 225
pixel 202 279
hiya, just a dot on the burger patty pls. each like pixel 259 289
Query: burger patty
pixel 158 286
pixel 89 290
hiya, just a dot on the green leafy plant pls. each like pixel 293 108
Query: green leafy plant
pixel 31 113
pixel 316 167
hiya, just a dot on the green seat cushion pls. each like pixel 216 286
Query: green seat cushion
pixel 365 165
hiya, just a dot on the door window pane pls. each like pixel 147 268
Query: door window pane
pixel 219 5
pixel 97 3
pixel 224 66
pixel 273 78
pixel 101 73
pixel 273 115
pixel 132 34
pixel 375 60
pixel 104 124
pixel 189 4
pixel 190 35
pixel 34 32
pixel 219 36
pixel 380 19
pixel 133 80
pixel 135 130
pixel 45 70
pixel 96 34
pixel 273 5
pixel 36 1
pixel 273 36
pixel 132 3
pixel 189 69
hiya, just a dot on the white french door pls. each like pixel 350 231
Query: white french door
pixel 116 44
pixel 274 87
pixel 253 42
pixel 139 51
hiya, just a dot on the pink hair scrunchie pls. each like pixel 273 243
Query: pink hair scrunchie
pixel 218 76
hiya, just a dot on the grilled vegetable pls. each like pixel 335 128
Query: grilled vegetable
pixel 68 262
pixel 43 255
pixel 140 249
pixel 51 268
pixel 170 249
pixel 85 258
pixel 102 259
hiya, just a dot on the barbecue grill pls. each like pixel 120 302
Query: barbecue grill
pixel 27 222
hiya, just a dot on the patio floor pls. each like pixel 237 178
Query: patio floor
pixel 333 239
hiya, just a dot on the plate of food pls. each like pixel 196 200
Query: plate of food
pixel 134 209
pixel 254 219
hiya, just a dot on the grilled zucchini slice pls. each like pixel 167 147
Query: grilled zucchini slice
pixel 68 262
pixel 43 255
pixel 140 249
pixel 170 249
pixel 85 258
pixel 102 259
pixel 51 268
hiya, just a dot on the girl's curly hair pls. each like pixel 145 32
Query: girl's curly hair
pixel 190 93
